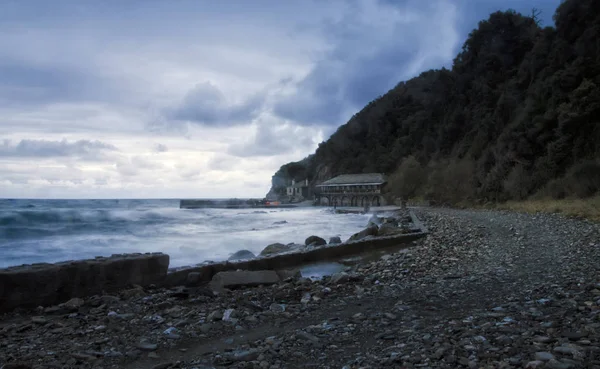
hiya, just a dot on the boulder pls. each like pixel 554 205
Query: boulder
pixel 243 278
pixel 335 240
pixel 275 248
pixel 242 255
pixel 369 231
pixel 315 241
pixel 341 277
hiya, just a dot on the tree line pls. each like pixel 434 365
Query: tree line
pixel 517 116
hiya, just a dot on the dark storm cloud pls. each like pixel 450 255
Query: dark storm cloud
pixel 367 59
pixel 207 105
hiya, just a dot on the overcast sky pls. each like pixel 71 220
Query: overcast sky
pixel 199 98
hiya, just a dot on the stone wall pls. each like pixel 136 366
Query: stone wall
pixel 35 285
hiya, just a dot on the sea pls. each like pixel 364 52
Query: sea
pixel 48 231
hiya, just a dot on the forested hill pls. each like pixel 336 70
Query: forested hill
pixel 518 115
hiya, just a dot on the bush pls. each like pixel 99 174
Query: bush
pixel 554 189
pixel 408 179
pixel 451 182
pixel 517 184
pixel 583 180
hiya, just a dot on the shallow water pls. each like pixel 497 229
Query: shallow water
pixel 34 231
pixel 320 270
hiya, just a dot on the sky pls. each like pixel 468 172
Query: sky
pixel 199 98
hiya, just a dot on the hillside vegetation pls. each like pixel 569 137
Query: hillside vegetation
pixel 516 117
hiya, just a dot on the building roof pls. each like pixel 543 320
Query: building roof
pixel 355 179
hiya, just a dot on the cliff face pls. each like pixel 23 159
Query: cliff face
pixel 298 171
pixel 516 116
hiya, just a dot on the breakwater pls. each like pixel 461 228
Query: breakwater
pixel 230 204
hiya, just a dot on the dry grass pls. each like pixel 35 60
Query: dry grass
pixel 578 208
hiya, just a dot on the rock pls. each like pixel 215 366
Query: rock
pixel 83 357
pixel 147 346
pixel 73 304
pixel 341 277
pixel 574 336
pixel 275 248
pixel 277 308
pixel 245 355
pixel 39 320
pixel 504 340
pixel 242 255
pixel 307 336
pixel 109 299
pixel 172 333
pixel 335 240
pixel 543 339
pixel 133 292
pixel 315 241
pixel 555 364
pixel 566 350
pixel 243 278
pixel 16 366
pixel 229 315
pixel 193 278
pixel 280 222
pixel 543 356
pixel 305 298
pixel 163 366
pixel 369 231
pixel 214 316
pixel 439 353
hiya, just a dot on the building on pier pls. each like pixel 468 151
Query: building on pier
pixel 352 190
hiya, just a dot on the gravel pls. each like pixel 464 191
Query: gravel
pixel 485 289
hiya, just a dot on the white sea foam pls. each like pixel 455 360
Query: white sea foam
pixel 51 231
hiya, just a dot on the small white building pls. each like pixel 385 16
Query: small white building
pixel 299 189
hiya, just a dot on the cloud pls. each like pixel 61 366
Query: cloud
pixel 160 148
pixel 84 149
pixel 223 162
pixel 374 46
pixel 206 104
pixel 135 165
pixel 271 138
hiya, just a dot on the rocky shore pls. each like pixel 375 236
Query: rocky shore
pixel 483 290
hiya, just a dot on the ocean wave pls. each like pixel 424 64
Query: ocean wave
pixel 55 230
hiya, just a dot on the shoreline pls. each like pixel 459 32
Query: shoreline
pixel 23 285
pixel 484 289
